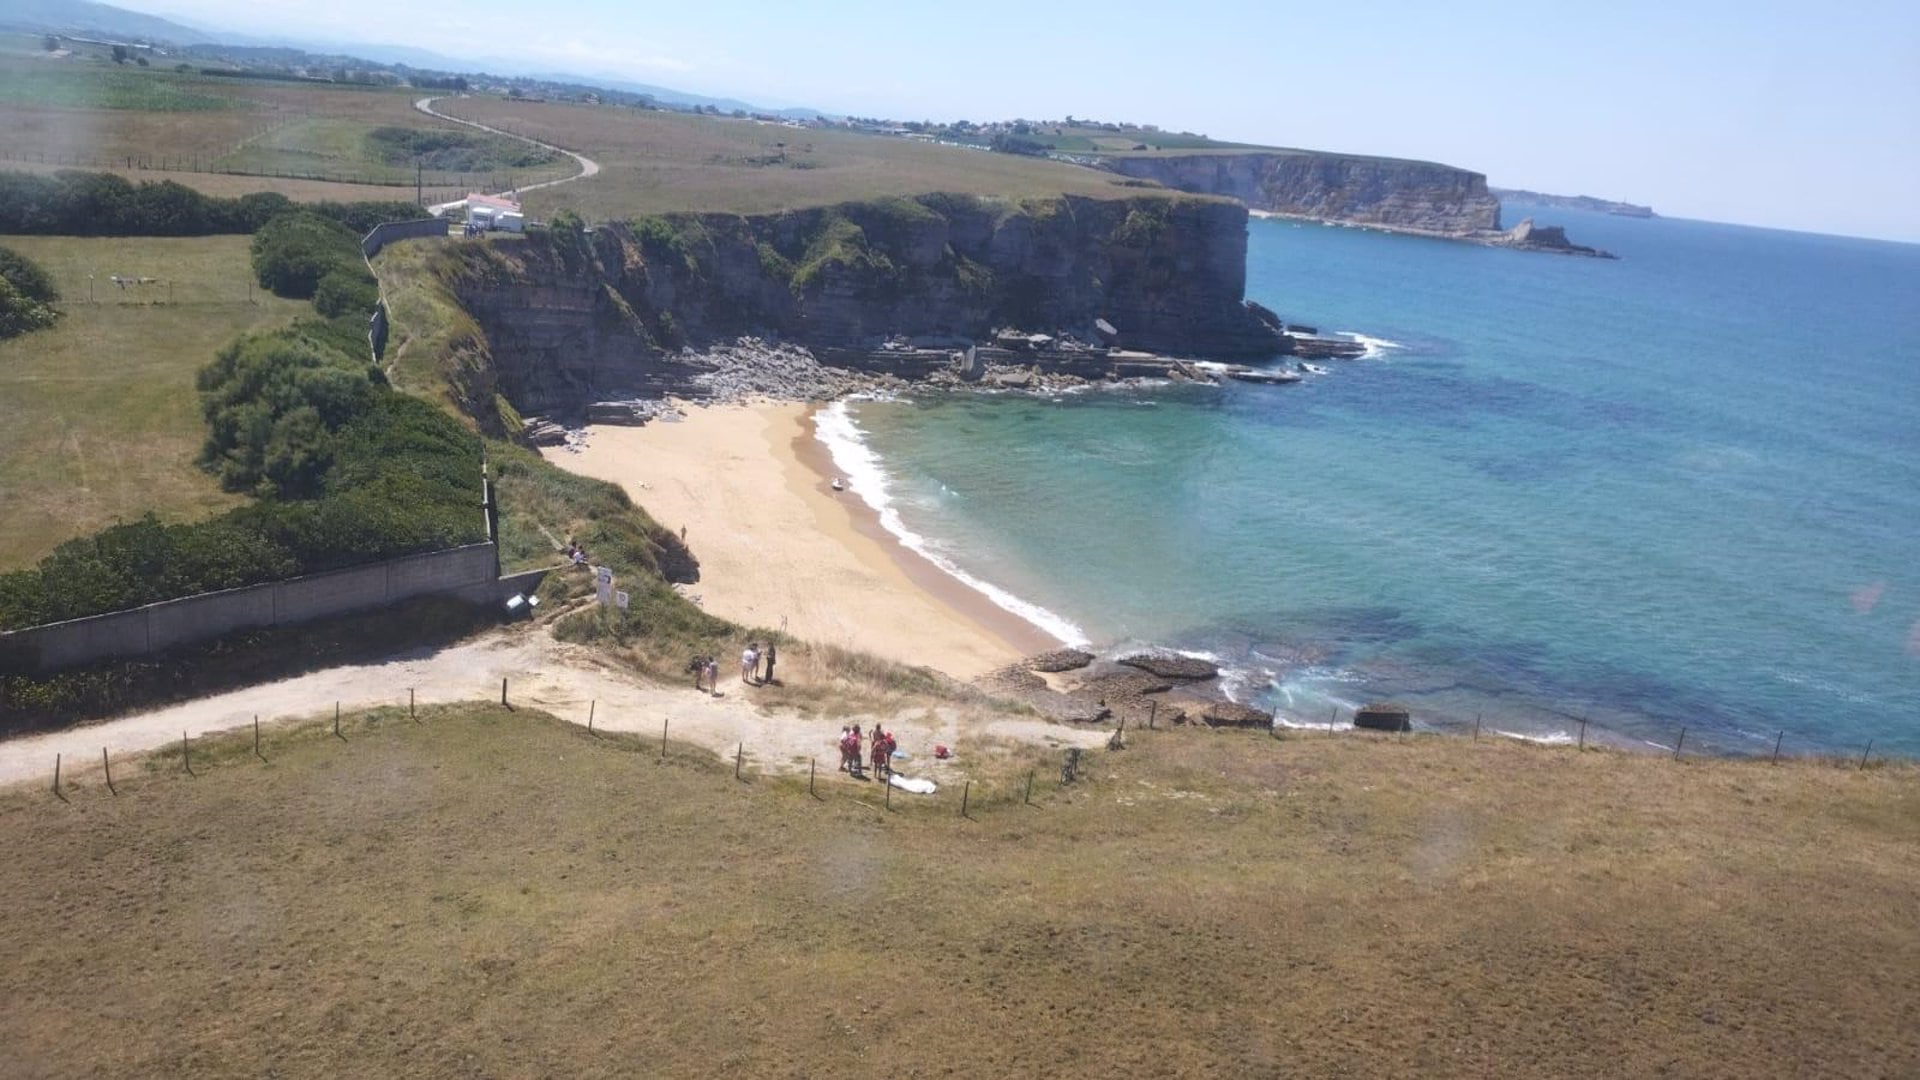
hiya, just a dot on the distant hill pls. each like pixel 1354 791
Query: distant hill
pixel 88 18
pixel 1574 202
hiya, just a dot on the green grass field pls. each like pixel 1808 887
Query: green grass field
pixel 493 893
pixel 87 112
pixel 656 162
pixel 98 416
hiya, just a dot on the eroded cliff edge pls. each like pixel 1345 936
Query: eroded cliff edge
pixel 1389 192
pixel 568 316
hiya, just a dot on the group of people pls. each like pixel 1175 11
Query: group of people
pixel 706 670
pixel 881 743
pixel 575 553
pixel 750 664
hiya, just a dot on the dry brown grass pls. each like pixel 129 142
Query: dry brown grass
pixel 656 162
pixel 99 419
pixel 496 894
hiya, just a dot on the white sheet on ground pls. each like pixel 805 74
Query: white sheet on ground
pixel 912 784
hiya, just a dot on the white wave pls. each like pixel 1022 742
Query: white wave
pixel 1376 347
pixel 1554 738
pixel 855 460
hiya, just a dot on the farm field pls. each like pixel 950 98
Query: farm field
pixel 655 162
pixel 498 893
pixel 99 419
pixel 83 112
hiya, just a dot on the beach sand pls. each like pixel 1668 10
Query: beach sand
pixel 779 547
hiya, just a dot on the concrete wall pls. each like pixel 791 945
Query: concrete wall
pixel 387 232
pixel 466 573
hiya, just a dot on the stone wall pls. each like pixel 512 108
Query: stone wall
pixel 468 573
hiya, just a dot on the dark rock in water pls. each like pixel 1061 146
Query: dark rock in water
pixel 1552 238
pixel 1060 660
pixel 1122 686
pixel 1172 667
pixel 1384 716
pixel 1234 714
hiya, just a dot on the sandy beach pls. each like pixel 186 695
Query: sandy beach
pixel 779 547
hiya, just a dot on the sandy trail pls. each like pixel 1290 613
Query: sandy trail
pixel 542 674
pixel 588 166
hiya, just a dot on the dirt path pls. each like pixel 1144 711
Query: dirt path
pixel 541 673
pixel 588 166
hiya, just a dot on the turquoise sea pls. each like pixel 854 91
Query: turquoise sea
pixel 1677 490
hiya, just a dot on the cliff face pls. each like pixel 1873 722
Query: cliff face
pixel 570 316
pixel 1373 191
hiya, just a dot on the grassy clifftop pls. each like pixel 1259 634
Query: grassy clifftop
pixel 498 893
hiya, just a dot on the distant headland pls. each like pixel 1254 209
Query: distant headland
pixel 1575 202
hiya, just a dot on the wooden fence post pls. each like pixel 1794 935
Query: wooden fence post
pixel 889 785
pixel 1027 799
pixel 1681 743
pixel 106 765
pixel 591 707
pixel 56 779
pixel 411 715
pixel 965 792
pixel 812 765
pixel 503 690
pixel 256 738
pixel 186 753
pixel 739 755
pixel 1776 745
pixel 1864 753
pixel 1583 732
pixel 1153 710
pixel 1333 719
pixel 663 739
pixel 1476 727
pixel 336 723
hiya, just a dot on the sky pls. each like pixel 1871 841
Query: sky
pixel 1791 115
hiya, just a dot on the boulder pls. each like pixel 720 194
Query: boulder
pixel 1187 668
pixel 1384 716
pixel 1060 660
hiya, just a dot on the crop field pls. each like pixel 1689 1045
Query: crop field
pixel 99 419
pixel 495 893
pixel 84 112
pixel 655 162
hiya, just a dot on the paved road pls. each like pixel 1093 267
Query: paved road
pixel 588 166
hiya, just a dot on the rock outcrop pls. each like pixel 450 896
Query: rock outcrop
pixel 1550 238
pixel 1173 667
pixel 1389 192
pixel 570 316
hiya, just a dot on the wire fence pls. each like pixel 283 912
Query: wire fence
pixel 965 796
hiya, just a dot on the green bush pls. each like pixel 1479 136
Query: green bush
pixel 20 313
pixel 27 277
pixel 346 290
pixel 76 203
pixel 294 251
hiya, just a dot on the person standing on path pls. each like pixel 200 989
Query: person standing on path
pixel 770 654
pixel 882 751
pixel 713 676
pixel 749 663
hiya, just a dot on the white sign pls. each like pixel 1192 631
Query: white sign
pixel 603 574
pixel 603 584
pixel 620 600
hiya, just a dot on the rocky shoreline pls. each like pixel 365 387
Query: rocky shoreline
pixel 1146 689
pixel 753 368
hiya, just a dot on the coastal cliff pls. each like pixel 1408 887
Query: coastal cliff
pixel 570 315
pixel 1413 195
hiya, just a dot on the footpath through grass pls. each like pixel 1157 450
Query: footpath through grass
pixel 495 893
pixel 99 419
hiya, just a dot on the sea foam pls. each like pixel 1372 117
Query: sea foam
pixel 855 460
pixel 1376 347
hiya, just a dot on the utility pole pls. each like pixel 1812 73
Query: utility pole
pixel 419 196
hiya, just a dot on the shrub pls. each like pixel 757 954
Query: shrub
pixel 292 252
pixel 27 277
pixel 346 291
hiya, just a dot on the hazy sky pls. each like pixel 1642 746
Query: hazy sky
pixel 1797 115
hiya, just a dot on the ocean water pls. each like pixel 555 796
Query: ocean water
pixel 1677 490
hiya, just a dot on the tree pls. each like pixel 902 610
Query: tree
pixel 119 54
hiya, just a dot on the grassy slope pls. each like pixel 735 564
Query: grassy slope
pixel 497 894
pixel 98 416
pixel 658 162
